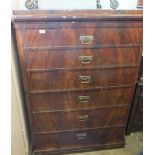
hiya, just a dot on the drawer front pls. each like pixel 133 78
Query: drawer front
pixel 80 119
pixel 63 79
pixel 82 58
pixel 81 36
pixel 79 138
pixel 81 99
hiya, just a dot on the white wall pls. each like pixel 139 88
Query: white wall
pixel 19 137
pixel 15 4
pixel 18 143
pixel 75 4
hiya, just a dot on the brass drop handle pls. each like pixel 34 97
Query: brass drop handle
pixel 83 99
pixel 85 79
pixel 80 136
pixel 82 118
pixel 87 39
pixel 86 59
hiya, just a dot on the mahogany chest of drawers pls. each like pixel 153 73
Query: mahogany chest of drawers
pixel 79 71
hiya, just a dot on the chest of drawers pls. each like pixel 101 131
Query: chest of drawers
pixel 79 70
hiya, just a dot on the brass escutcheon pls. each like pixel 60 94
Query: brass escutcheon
pixel 85 79
pixel 86 59
pixel 87 39
pixel 82 118
pixel 81 136
pixel 83 99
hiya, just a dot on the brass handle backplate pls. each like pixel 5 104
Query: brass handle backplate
pixel 86 59
pixel 86 39
pixel 85 79
pixel 82 118
pixel 83 99
pixel 81 136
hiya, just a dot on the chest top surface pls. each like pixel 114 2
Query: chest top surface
pixel 75 15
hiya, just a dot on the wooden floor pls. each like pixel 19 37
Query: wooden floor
pixel 134 146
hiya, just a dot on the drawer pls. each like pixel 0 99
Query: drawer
pixel 58 121
pixel 82 58
pixel 77 139
pixel 94 98
pixel 72 79
pixel 81 36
